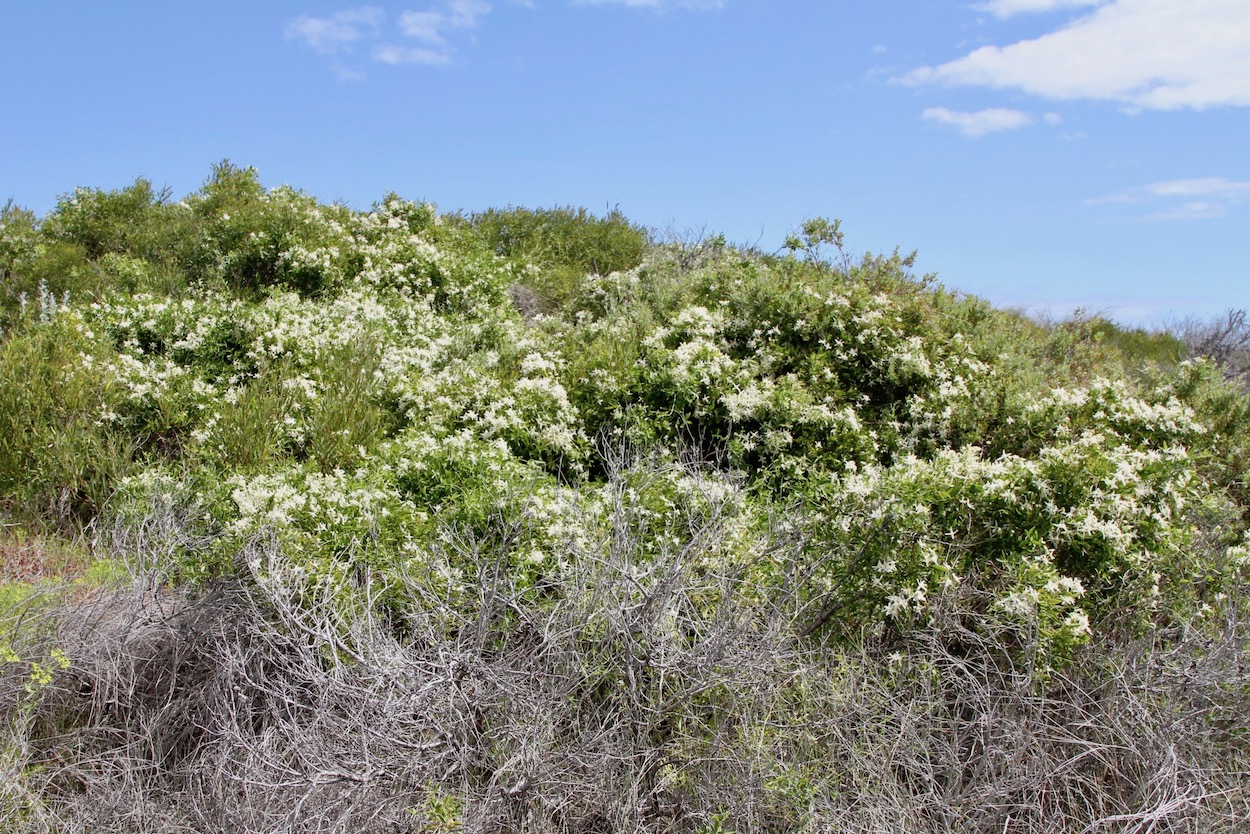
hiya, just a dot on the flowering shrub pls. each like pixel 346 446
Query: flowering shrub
pixel 248 238
pixel 356 382
pixel 1037 545
pixel 796 528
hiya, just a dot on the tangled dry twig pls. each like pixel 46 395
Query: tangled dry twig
pixel 633 694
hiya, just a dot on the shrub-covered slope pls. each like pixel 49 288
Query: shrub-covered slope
pixel 529 520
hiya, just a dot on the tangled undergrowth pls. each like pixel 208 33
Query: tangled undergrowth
pixel 530 521
pixel 646 694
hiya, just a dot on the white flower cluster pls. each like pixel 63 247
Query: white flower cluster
pixel 1089 507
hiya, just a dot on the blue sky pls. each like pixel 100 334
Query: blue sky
pixel 1040 153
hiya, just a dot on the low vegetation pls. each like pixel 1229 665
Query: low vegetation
pixel 532 520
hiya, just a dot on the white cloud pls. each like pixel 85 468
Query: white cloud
pixel 432 26
pixel 432 29
pixel 336 33
pixel 1144 54
pixel 1008 8
pixel 347 73
pixel 1052 119
pixel 389 53
pixel 425 36
pixel 1218 187
pixel 697 5
pixel 992 120
pixel 424 26
pixel 1187 199
pixel 1193 210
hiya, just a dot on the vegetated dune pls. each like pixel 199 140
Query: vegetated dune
pixel 534 520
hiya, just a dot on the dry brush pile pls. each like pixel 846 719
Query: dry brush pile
pixel 641 695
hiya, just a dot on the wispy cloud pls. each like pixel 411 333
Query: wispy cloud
pixel 992 120
pixel 424 36
pixel 1009 8
pixel 338 32
pixel 697 5
pixel 1143 54
pixel 392 53
pixel 1187 199
pixel 427 36
pixel 432 29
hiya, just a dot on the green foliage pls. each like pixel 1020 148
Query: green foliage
pixel 715 492
pixel 568 237
pixel 250 431
pixel 136 221
pixel 32 267
pixel 440 811
pixel 95 242
pixel 347 418
pixel 348 376
pixel 248 238
pixel 18 242
pixel 813 236
pixel 563 245
pixel 1140 346
pixel 58 461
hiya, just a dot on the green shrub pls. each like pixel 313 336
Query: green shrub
pixel 589 532
pixel 59 457
pixel 1141 347
pixel 18 252
pixel 33 267
pixel 982 457
pixel 135 221
pixel 253 425
pixel 566 236
pixel 96 243
pixel 564 244
pixel 248 238
pixel 347 419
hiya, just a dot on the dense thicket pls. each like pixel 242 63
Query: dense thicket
pixel 533 520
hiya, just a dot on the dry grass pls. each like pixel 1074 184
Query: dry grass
pixel 31 557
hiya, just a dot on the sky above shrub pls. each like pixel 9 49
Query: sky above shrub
pixel 1051 154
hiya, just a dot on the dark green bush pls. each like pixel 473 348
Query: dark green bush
pixel 567 236
pixel 249 239
pixel 566 244
pixel 59 456
pixel 136 221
